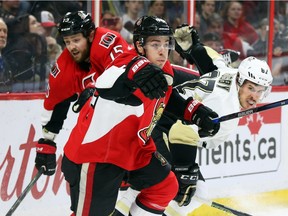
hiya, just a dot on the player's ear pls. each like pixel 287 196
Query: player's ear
pixel 91 36
pixel 140 48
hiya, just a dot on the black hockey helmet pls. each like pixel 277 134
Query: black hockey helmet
pixel 76 22
pixel 150 26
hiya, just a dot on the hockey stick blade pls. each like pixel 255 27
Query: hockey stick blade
pixel 250 111
pixel 221 207
pixel 228 209
pixel 25 192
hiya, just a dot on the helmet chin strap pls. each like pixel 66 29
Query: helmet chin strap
pixel 238 86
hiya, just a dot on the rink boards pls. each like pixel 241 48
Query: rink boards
pixel 254 159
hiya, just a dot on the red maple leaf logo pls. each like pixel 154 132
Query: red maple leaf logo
pixel 254 123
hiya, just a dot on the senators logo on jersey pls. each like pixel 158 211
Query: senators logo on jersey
pixel 107 39
pixel 145 133
pixel 54 70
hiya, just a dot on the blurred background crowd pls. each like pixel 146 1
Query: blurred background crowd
pixel 30 45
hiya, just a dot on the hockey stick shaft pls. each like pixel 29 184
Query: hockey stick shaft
pixel 251 111
pixel 25 192
pixel 221 207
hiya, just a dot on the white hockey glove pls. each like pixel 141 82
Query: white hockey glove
pixel 185 36
pixel 187 44
pixel 183 134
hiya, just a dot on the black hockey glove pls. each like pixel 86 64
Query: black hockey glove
pixel 188 45
pixel 187 177
pixel 202 116
pixel 83 97
pixel 45 156
pixel 148 77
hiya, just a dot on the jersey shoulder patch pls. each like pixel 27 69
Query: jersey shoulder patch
pixel 107 39
pixel 55 70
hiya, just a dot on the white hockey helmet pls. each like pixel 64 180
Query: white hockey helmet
pixel 256 71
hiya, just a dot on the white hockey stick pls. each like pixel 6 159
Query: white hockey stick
pixel 220 206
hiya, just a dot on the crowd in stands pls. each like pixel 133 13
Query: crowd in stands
pixel 29 44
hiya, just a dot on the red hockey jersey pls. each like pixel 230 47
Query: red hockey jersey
pixel 67 78
pixel 114 132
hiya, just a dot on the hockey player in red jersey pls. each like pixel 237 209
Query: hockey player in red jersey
pixel 181 149
pixel 113 131
pixel 88 52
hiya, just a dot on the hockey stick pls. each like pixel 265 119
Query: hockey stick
pixel 25 192
pixel 251 111
pixel 221 207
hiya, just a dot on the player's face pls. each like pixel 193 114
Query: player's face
pixel 78 47
pixel 250 94
pixel 157 49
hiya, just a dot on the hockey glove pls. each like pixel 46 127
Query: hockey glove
pixel 148 77
pixel 202 116
pixel 187 177
pixel 82 99
pixel 45 156
pixel 189 47
pixel 185 38
pixel 183 134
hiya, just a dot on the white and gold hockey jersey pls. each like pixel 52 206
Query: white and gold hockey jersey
pixel 217 90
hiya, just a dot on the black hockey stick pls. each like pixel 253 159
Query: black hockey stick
pixel 251 111
pixel 221 207
pixel 25 192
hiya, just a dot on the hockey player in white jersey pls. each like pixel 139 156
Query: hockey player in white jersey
pixel 226 90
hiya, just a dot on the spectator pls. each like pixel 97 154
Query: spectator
pixel 234 22
pixel 48 22
pixel 13 8
pixel 158 8
pixel 197 22
pixel 229 40
pixel 213 41
pixel 53 48
pixel 26 53
pixel 256 10
pixel 281 14
pixel 57 8
pixel 207 9
pixel 110 21
pixel 133 9
pixel 5 72
pixel 279 45
pixel 260 47
pixel 175 13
